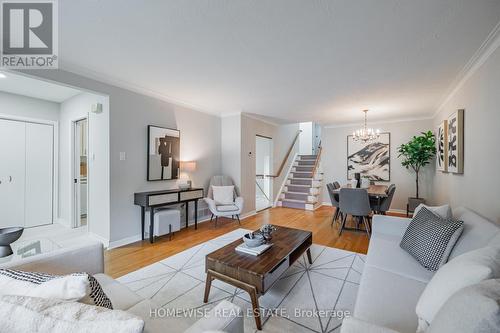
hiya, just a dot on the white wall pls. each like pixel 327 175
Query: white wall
pixel 73 109
pixel 28 107
pixel 130 113
pixel 230 137
pixel 250 127
pixel 334 159
pixel 479 187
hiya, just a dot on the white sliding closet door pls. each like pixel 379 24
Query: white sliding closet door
pixel 39 174
pixel 12 172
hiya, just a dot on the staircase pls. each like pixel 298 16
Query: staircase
pixel 303 184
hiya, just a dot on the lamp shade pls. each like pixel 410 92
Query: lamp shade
pixel 188 166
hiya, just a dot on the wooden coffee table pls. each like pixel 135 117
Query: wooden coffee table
pixel 256 274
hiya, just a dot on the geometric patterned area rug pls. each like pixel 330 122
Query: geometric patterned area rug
pixel 307 298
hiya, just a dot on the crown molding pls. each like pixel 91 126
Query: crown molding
pixel 230 114
pixel 490 44
pixel 88 73
pixel 260 119
pixel 381 122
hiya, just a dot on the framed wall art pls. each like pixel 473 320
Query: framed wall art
pixel 163 153
pixel 371 159
pixel 442 146
pixel 456 142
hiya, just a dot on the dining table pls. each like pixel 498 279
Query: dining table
pixel 378 192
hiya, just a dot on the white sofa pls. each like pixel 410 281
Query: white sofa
pixel 89 258
pixel 393 281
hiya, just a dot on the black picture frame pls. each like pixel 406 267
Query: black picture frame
pixel 174 154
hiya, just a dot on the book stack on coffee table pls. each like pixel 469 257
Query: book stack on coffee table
pixel 255 251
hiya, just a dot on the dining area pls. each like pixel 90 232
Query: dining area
pixel 356 203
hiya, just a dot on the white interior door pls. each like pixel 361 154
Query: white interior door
pixel 263 166
pixel 12 172
pixel 80 172
pixel 39 174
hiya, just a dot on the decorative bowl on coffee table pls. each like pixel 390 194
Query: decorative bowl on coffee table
pixel 7 237
pixel 256 240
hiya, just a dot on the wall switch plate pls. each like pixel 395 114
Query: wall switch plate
pixel 123 156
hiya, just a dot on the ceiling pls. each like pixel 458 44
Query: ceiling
pixel 293 60
pixel 36 88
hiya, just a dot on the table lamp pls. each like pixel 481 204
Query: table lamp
pixel 186 167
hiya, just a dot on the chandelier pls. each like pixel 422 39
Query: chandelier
pixel 366 134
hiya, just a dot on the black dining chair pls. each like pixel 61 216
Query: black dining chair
pixel 334 198
pixel 355 202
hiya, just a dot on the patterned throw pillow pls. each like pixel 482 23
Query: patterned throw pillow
pixel 95 294
pixel 430 238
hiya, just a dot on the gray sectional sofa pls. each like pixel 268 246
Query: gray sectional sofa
pixel 393 281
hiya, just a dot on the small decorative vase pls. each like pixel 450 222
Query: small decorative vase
pixel 357 176
pixel 7 237
pixel 354 183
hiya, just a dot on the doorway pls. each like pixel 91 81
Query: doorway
pixel 80 172
pixel 263 170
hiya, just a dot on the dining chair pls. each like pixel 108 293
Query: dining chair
pixel 382 206
pixel 355 202
pixel 385 203
pixel 334 198
pixel 336 184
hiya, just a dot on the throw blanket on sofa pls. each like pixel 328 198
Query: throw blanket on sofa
pixel 19 314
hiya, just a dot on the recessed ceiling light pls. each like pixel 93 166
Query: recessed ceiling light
pixel 2 76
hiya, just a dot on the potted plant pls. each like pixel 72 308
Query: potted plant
pixel 415 155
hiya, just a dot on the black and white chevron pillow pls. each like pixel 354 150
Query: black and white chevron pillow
pixel 430 238
pixel 96 295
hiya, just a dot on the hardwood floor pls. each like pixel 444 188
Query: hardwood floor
pixel 126 259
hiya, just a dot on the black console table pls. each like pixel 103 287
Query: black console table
pixel 157 199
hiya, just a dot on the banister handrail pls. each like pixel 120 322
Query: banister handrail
pixel 318 156
pixel 282 165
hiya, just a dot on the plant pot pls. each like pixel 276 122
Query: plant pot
pixel 414 203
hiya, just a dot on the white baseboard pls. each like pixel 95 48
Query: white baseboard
pixel 398 211
pixel 138 237
pixel 124 241
pixel 248 214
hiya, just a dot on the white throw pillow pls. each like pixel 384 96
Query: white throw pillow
pixel 20 314
pixel 465 270
pixel 66 288
pixel 80 287
pixel 443 211
pixel 472 309
pixel 223 195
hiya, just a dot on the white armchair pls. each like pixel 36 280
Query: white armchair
pixel 232 210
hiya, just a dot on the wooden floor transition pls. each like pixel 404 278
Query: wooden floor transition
pixel 126 259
